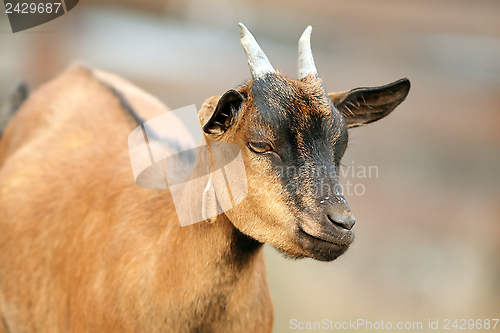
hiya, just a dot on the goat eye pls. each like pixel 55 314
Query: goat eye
pixel 259 147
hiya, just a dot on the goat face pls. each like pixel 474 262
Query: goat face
pixel 292 135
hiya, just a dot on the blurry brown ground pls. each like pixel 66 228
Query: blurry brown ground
pixel 428 232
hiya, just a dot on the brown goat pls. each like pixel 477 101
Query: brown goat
pixel 84 249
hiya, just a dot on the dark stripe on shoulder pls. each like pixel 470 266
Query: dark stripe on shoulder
pixel 16 99
pixel 173 142
pixel 124 103
pixel 5 325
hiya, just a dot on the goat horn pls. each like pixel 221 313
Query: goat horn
pixel 256 58
pixel 306 60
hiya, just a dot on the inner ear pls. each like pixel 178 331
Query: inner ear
pixel 365 105
pixel 225 113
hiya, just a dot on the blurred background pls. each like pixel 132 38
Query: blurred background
pixel 428 232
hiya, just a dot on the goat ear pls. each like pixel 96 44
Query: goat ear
pixel 225 113
pixel 362 106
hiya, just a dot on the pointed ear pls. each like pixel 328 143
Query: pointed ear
pixel 225 113
pixel 362 106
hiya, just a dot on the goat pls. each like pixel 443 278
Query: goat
pixel 84 249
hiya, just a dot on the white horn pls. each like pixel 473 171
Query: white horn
pixel 257 60
pixel 306 60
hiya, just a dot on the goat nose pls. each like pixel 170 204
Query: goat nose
pixel 343 220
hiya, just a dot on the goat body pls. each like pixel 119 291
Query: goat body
pixel 84 249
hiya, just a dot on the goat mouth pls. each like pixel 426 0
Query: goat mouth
pixel 321 239
pixel 324 248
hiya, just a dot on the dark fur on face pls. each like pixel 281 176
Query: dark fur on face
pixel 307 137
pixel 292 135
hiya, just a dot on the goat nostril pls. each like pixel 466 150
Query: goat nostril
pixel 344 222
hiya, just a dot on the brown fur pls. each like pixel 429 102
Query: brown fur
pixel 84 249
